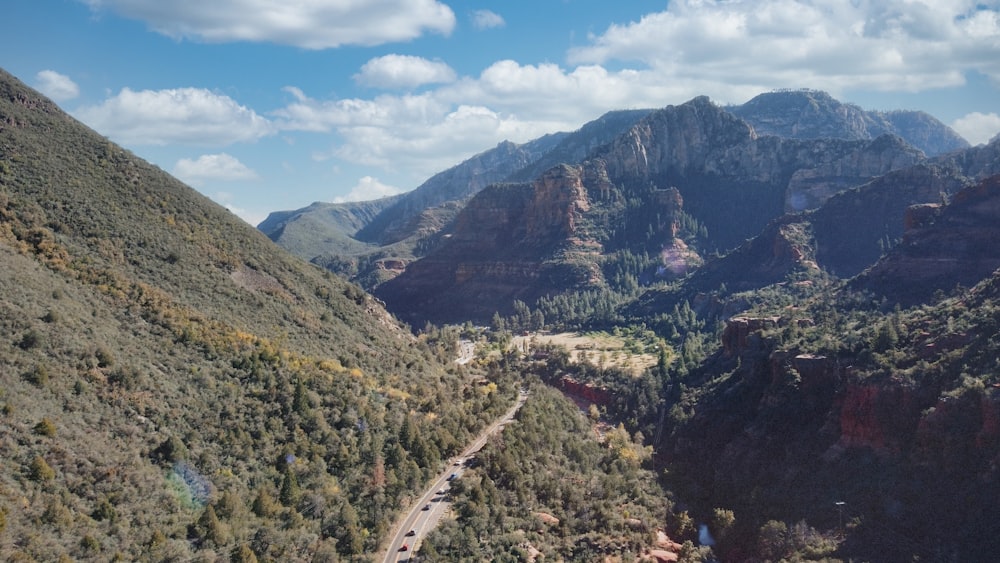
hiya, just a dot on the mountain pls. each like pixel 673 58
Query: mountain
pixel 829 403
pixel 323 225
pixel 813 114
pixel 175 386
pixel 729 185
pixel 943 246
pixel 374 244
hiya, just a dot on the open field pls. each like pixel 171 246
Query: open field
pixel 597 348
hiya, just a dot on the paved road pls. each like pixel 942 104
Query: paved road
pixel 432 504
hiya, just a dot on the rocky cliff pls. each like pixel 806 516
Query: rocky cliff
pixel 813 114
pixel 629 196
pixel 955 244
pixel 511 242
pixel 781 432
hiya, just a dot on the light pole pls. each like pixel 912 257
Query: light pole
pixel 840 511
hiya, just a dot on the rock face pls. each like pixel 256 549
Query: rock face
pixel 812 114
pixel 630 195
pixel 502 248
pixel 907 449
pixel 943 246
pixel 353 238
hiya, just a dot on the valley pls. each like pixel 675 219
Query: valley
pixel 768 310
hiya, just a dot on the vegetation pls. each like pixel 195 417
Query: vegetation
pixel 547 486
pixel 175 387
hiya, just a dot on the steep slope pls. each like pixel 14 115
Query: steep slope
pixel 323 225
pixel 177 387
pixel 943 246
pixel 406 226
pixel 812 114
pixel 881 425
pixel 725 178
pixel 511 242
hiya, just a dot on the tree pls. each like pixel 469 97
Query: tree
pixel 290 492
pixel 209 528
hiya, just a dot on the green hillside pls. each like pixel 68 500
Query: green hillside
pixel 173 386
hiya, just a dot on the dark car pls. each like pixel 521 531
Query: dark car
pixel 404 548
pixel 453 476
pixel 427 507
pixel 411 533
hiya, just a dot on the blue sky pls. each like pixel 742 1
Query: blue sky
pixel 268 105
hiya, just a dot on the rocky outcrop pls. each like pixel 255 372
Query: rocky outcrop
pixel 855 227
pixel 600 396
pixel 735 337
pixel 509 243
pixel 944 247
pixel 813 114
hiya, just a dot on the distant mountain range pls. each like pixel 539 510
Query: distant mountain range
pixel 372 242
pixel 728 179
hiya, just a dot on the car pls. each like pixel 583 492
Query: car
pixel 427 507
pixel 411 533
pixel 405 547
pixel 453 476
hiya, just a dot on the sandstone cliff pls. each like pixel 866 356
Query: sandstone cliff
pixel 782 432
pixel 955 244
pixel 509 243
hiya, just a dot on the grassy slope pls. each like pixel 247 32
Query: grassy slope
pixel 136 313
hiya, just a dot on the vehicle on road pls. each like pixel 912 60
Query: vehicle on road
pixel 427 507
pixel 411 533
pixel 453 476
pixel 405 547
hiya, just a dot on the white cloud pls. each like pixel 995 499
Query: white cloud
pixel 187 116
pixel 368 189
pixel 209 167
pixel 977 128
pixel 730 51
pixel 897 45
pixel 57 86
pixel 310 24
pixel 403 71
pixel 486 19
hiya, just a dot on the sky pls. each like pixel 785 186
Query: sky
pixel 271 105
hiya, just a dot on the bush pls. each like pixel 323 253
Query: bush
pixel 38 376
pixel 30 339
pixel 45 427
pixel 40 470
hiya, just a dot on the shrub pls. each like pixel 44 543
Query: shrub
pixel 30 339
pixel 104 357
pixel 45 427
pixel 40 470
pixel 38 376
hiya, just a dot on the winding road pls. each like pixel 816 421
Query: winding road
pixel 425 513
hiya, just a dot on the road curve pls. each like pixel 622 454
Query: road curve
pixel 425 513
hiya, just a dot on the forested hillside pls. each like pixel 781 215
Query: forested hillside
pixel 173 386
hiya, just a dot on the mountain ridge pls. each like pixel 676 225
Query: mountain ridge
pixel 175 386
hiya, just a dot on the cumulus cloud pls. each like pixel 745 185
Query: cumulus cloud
pixel 367 189
pixel 310 24
pixel 403 71
pixel 730 51
pixel 421 134
pixel 977 128
pixel 57 86
pixel 486 19
pixel 187 116
pixel 897 45
pixel 209 167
